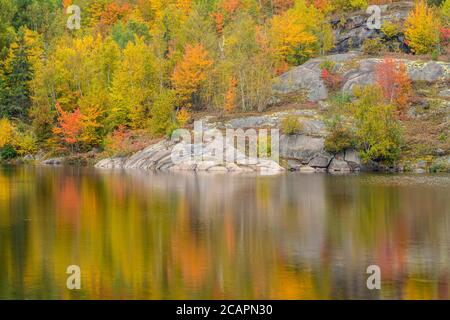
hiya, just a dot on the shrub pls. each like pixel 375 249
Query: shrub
pixel 390 30
pixel 373 46
pixel 422 29
pixel 340 137
pixel 328 65
pixel 7 152
pixel 395 83
pixel 332 80
pixel 291 125
pixel 378 132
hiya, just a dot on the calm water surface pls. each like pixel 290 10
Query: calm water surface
pixel 137 235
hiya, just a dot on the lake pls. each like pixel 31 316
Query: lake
pixel 140 235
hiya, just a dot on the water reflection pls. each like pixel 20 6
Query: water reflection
pixel 138 235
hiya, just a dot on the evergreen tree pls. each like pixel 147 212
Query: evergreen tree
pixel 17 76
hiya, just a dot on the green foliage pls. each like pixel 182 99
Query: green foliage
pixel 378 132
pixel 373 46
pixel 163 120
pixel 124 33
pixel 16 97
pixel 291 125
pixel 8 152
pixel 390 29
pixel 340 137
pixel 328 65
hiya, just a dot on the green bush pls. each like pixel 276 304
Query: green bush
pixel 373 46
pixel 291 125
pixel 390 30
pixel 340 137
pixel 8 152
pixel 378 131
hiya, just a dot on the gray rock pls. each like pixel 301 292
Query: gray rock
pixel 293 165
pixel 321 160
pixel 429 72
pixel 192 158
pixel 300 147
pixel 353 157
pixel 365 74
pixel 301 79
pixel 53 162
pixel 445 93
pixel 339 166
pixel 307 169
pixel 308 78
pixel 353 32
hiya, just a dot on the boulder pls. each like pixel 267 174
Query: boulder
pixel 353 31
pixel 307 169
pixel 307 78
pixel 53 162
pixel 301 147
pixel 191 158
pixel 321 160
pixel 339 166
pixel 365 73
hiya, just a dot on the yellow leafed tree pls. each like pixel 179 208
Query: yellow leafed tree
pixel 422 29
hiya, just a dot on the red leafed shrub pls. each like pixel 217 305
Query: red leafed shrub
pixel 395 83
pixel 124 141
pixel 445 35
pixel 332 80
pixel 69 126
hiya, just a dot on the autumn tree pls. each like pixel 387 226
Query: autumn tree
pixel 394 82
pixel 69 127
pixel 190 74
pixel 300 33
pixel 422 29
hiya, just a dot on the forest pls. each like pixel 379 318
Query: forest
pixel 136 70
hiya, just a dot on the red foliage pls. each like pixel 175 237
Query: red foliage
pixel 395 83
pixel 69 125
pixel 332 81
pixel 445 35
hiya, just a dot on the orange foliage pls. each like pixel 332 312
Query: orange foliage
pixel 230 97
pixel 113 13
pixel 191 72
pixel 69 125
pixel 67 3
pixel 219 21
pixel 230 6
pixel 394 82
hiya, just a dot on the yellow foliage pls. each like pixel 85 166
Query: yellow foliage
pixel 183 117
pixel 230 97
pixel 422 29
pixel 6 132
pixel 300 32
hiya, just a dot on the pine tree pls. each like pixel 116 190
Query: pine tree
pixel 17 77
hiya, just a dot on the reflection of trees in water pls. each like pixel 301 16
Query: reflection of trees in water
pixel 142 235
